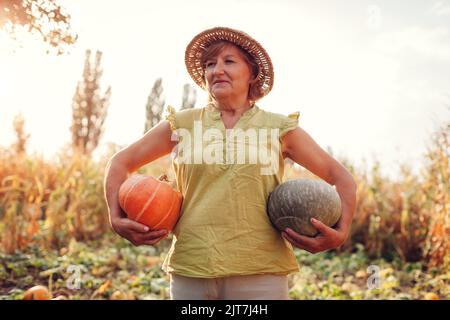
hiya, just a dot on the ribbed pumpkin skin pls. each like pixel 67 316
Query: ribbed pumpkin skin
pixel 37 293
pixel 150 201
pixel 293 203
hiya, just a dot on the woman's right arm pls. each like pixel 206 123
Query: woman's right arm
pixel 153 145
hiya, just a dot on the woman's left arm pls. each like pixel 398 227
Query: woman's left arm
pixel 298 145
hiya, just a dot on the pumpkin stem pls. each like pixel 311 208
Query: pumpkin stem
pixel 163 177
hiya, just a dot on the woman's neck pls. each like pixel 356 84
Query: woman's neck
pixel 232 108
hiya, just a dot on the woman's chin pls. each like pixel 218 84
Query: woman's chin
pixel 221 93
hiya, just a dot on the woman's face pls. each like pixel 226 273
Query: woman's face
pixel 228 74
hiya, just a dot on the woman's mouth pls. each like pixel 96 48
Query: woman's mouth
pixel 220 81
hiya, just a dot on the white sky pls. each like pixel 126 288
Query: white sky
pixel 370 78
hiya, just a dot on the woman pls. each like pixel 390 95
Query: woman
pixel 224 246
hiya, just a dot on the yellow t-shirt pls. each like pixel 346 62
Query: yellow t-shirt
pixel 224 229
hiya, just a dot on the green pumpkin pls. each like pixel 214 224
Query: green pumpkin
pixel 293 203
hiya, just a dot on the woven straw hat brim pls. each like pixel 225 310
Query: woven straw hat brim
pixel 200 42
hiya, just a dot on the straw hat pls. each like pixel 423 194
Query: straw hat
pixel 200 42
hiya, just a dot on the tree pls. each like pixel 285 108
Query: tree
pixel 189 97
pixel 46 18
pixel 89 107
pixel 155 105
pixel 22 137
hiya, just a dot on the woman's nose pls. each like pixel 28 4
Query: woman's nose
pixel 218 68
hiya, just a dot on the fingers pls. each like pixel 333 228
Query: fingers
pixel 323 228
pixel 136 226
pixel 149 238
pixel 154 241
pixel 153 234
pixel 312 245
pixel 299 245
pixel 328 238
pixel 137 233
pixel 294 243
pixel 303 240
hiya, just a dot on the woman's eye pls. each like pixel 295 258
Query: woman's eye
pixel 210 64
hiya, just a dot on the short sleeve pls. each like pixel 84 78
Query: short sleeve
pixel 289 123
pixel 170 116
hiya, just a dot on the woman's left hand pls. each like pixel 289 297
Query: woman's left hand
pixel 328 238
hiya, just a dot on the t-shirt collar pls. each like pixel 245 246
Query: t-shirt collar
pixel 215 112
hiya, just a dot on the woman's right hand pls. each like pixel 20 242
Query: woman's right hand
pixel 137 233
pixel 156 143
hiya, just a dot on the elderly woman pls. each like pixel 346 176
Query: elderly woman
pixel 224 246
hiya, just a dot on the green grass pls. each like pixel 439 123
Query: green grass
pixel 112 268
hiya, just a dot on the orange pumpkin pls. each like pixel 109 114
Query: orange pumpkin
pixel 150 201
pixel 37 293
